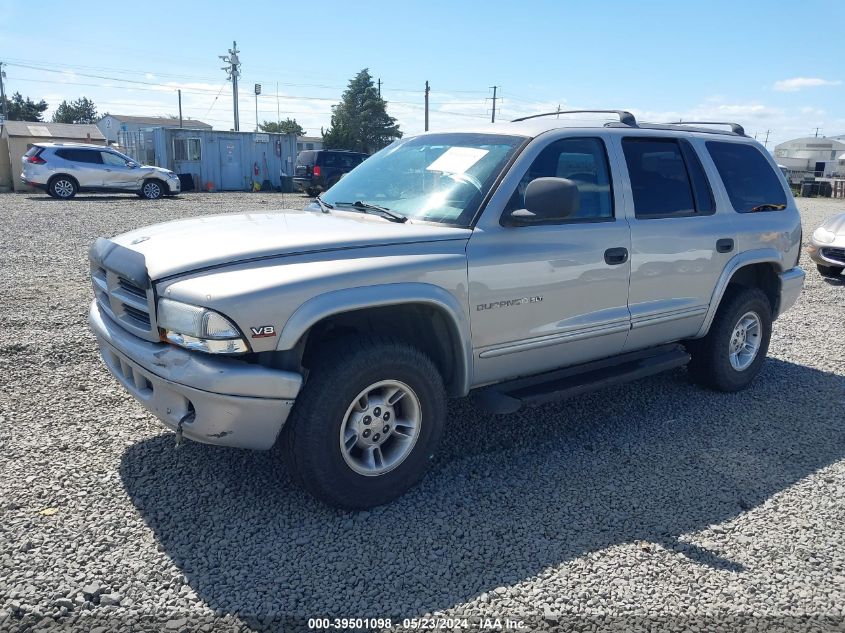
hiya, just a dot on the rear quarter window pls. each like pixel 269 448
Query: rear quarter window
pixel 305 158
pixel 749 178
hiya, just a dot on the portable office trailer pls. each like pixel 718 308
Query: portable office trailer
pixel 216 160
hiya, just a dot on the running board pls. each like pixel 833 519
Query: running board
pixel 508 397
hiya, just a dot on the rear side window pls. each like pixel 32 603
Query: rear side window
pixel 80 155
pixel 667 179
pixel 748 177
pixel 305 158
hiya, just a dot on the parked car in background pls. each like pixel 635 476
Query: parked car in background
pixel 65 169
pixel 318 170
pixel 827 246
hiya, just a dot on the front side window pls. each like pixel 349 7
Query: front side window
pixel 750 181
pixel 113 159
pixel 667 179
pixel 435 177
pixel 581 160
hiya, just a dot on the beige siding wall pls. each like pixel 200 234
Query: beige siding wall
pixel 5 167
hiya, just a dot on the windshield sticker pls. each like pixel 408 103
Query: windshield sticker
pixel 456 160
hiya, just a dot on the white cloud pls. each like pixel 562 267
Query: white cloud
pixel 799 83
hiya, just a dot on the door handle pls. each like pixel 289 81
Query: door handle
pixel 725 245
pixel 616 256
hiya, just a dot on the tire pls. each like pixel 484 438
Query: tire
pixel 712 364
pixel 62 187
pixel 829 271
pixel 325 411
pixel 153 189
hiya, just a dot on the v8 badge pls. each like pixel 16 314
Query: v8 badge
pixel 263 331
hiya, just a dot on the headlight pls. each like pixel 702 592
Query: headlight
pixel 201 329
pixel 823 236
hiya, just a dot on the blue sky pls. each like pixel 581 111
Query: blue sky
pixel 769 65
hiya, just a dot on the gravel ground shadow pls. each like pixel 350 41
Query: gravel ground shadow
pixel 508 498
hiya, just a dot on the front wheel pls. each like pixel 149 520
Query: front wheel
pixel 732 353
pixel 829 271
pixel 366 424
pixel 152 190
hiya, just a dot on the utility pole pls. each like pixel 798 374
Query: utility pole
pixel 817 132
pixel 558 110
pixel 278 111
pixel 233 70
pixel 427 90
pixel 493 118
pixel 379 86
pixel 180 107
pixel 3 93
pixel 766 142
pixel 257 92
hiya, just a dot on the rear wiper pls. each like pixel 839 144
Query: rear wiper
pixel 366 207
pixel 324 206
pixel 768 206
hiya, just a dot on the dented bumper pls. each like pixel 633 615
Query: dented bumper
pixel 219 400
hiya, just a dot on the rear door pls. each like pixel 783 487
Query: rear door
pixel 679 242
pixel 85 165
pixel 305 164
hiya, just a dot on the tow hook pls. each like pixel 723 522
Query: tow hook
pixel 187 418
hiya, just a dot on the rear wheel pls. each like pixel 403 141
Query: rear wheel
pixel 62 187
pixel 152 190
pixel 732 353
pixel 366 423
pixel 829 271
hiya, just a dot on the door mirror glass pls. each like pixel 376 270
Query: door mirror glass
pixel 132 165
pixel 548 200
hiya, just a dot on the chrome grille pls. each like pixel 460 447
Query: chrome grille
pixel 127 303
pixel 836 254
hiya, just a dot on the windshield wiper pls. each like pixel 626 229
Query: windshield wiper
pixel 366 207
pixel 768 206
pixel 324 206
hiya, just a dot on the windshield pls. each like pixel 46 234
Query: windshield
pixel 436 177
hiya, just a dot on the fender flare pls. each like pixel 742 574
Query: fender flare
pixel 350 299
pixel 756 256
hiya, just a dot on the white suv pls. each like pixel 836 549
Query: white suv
pixel 63 169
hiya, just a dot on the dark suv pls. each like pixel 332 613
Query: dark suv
pixel 318 170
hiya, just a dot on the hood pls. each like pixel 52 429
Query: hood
pixel 158 170
pixel 836 224
pixel 177 247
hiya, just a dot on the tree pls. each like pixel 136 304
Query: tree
pixel 20 109
pixel 80 111
pixel 288 126
pixel 360 121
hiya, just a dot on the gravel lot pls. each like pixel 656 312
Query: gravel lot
pixel 654 505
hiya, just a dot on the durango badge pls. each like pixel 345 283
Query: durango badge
pixel 263 331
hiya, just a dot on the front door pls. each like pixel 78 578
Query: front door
pixel 231 171
pixel 548 296
pixel 117 174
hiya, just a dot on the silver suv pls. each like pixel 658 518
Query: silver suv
pixel 521 263
pixel 63 169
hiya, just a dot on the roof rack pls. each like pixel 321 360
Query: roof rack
pixel 624 116
pixel 736 128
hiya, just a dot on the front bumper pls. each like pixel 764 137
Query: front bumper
pixel 220 400
pixel 832 254
pixel 174 185
pixel 791 284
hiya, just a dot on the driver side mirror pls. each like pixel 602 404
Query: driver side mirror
pixel 132 165
pixel 547 200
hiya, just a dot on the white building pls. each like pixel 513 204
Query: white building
pixel 112 125
pixel 309 142
pixel 819 156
